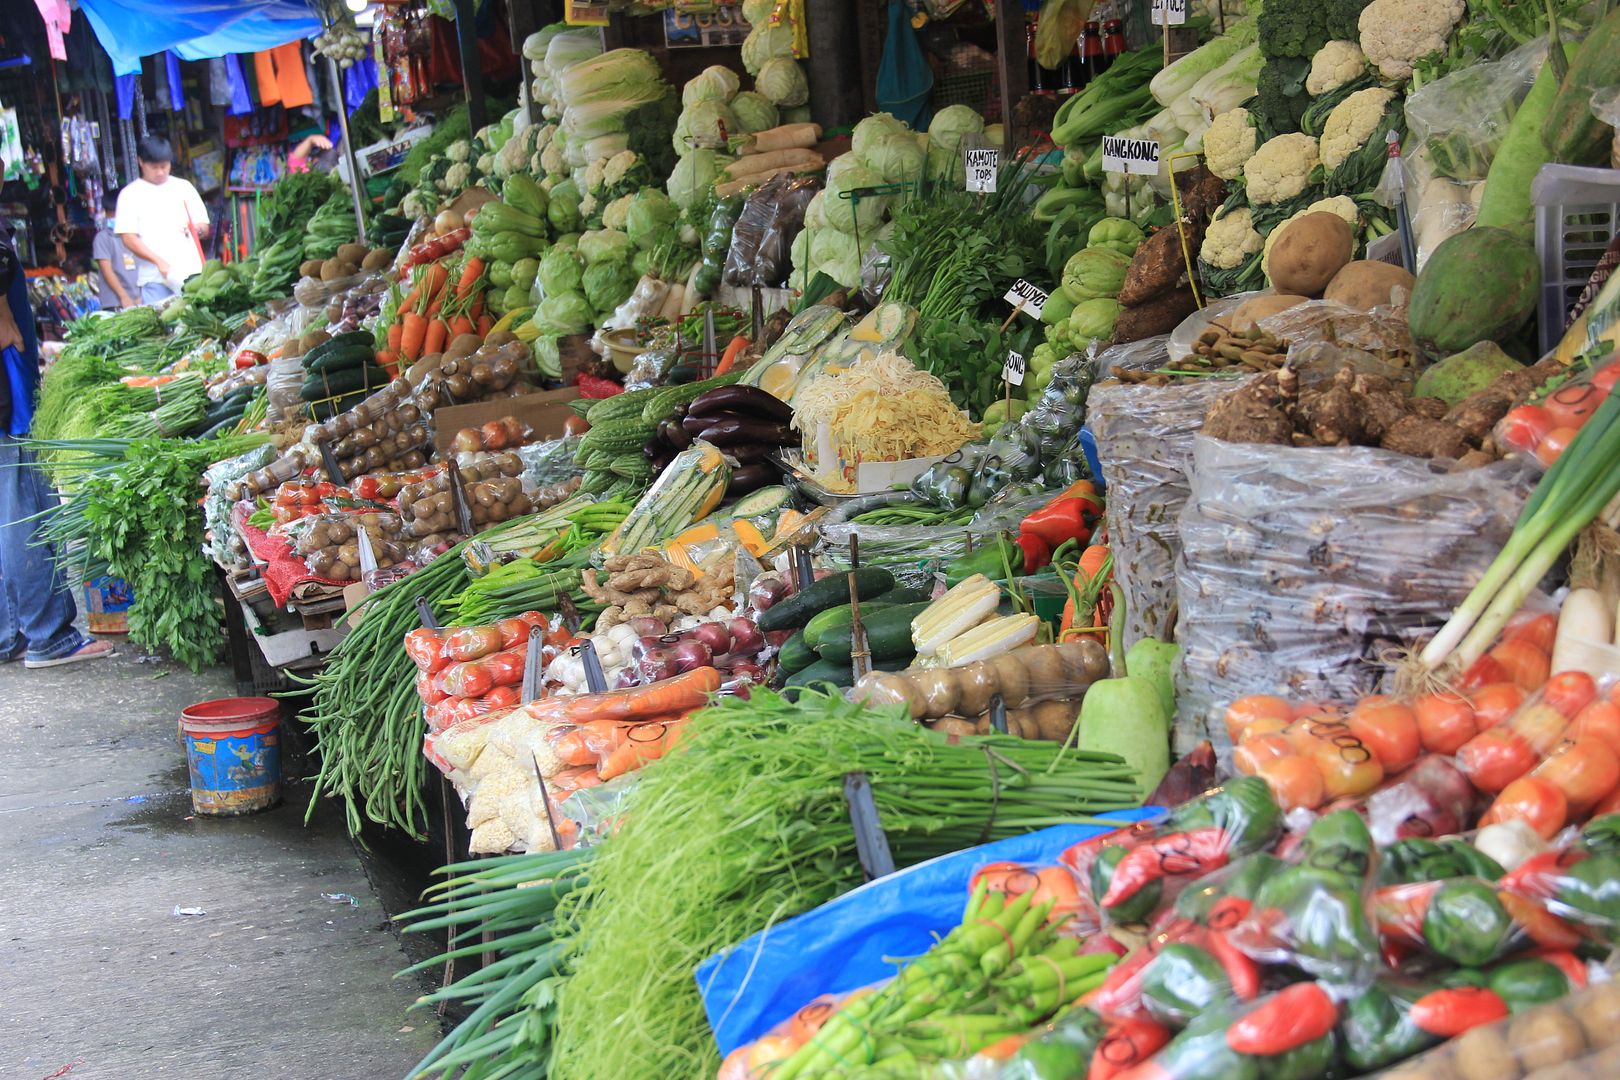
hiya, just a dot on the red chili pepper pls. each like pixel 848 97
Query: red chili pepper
pixel 1294 1016
pixel 1227 912
pixel 1567 962
pixel 1129 1044
pixel 1241 970
pixel 1449 1013
pixel 1122 986
pixel 1185 854
pixel 1037 553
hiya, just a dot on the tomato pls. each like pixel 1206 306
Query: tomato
pixel 1569 692
pixel 503 697
pixel 1316 708
pixel 427 688
pixel 1389 729
pixel 1534 800
pixel 1347 766
pixel 576 425
pixel 1600 720
pixel 1538 630
pixel 1606 376
pixel 1246 710
pixel 514 633
pixel 1295 781
pixel 506 668
pixel 1523 428
pixel 1250 754
pixel 1542 726
pixel 1445 722
pixel 1495 758
pixel 367 487
pixel 1610 804
pixel 1495 703
pixel 1573 404
pixel 1525 664
pixel 1266 725
pixel 1552 446
pixel 1585 770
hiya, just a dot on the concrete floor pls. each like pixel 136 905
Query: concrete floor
pixel 100 979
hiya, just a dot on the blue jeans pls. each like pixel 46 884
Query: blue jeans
pixel 36 608
pixel 155 292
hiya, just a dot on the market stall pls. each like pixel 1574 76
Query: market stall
pixel 1153 571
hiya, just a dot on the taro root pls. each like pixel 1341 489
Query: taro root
pixel 1423 437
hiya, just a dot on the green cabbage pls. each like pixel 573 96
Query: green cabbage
pixel 571 47
pixel 815 211
pixel 782 80
pixel 605 246
pixel 757 12
pixel 694 175
pixel 844 175
pixel 888 147
pixel 714 83
pixel 835 254
pixel 607 285
pixel 754 112
pixel 765 43
pixel 796 114
pixel 710 122
pixel 560 270
pixel 566 313
pixel 945 133
pixel 649 218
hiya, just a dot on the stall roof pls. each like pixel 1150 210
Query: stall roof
pixel 195 29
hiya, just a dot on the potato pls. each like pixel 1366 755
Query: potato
pixel 500 337
pixel 1483 1054
pixel 953 725
pixel 940 690
pixel 309 268
pixel 1055 719
pixel 1545 1035
pixel 1368 283
pixel 1312 248
pixel 462 345
pixel 1598 1010
pixel 978 684
pixel 346 269
pixel 314 337
pixel 1252 310
pixel 885 688
pixel 353 253
pixel 377 260
pixel 1012 681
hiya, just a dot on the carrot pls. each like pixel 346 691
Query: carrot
pixel 434 279
pixel 1091 571
pixel 680 694
pixel 395 332
pixel 643 742
pixel 413 335
pixel 411 298
pixel 476 308
pixel 435 309
pixel 438 332
pixel 486 323
pixel 470 274
pixel 728 359
pixel 388 360
pixel 460 324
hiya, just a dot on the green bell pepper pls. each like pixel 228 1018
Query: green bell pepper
pixel 1240 882
pixel 1309 1062
pixel 1326 923
pixel 1466 923
pixel 1181 982
pixel 1376 1028
pixel 1062 1053
pixel 1525 983
pixel 1339 843
pixel 1200 1052
pixel 1242 807
pixel 1602 835
pixel 1418 859
pixel 1592 886
pixel 990 558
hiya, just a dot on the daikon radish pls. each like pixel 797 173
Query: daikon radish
pixel 786 137
pixel 732 187
pixel 749 164
pixel 1585 633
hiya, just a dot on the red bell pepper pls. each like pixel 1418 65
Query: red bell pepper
pixel 1036 552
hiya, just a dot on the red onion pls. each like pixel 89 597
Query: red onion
pixel 645 626
pixel 777 638
pixel 628 677
pixel 689 656
pixel 765 591
pixel 746 639
pixel 713 636
pixel 656 667
pixel 747 670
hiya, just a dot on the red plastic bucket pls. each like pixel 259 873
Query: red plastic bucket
pixel 233 750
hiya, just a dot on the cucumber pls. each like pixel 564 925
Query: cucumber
pixel 342 358
pixel 325 410
pixel 905 594
pixel 325 384
pixel 837 620
pixel 888 635
pixel 830 591
pixel 795 655
pixel 349 340
pixel 767 500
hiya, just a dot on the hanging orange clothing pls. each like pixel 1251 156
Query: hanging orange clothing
pixel 264 73
pixel 290 77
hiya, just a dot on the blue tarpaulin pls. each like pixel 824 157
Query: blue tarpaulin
pixel 195 29
pixel 843 944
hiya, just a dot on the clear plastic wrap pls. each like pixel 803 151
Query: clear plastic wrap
pixel 493 490
pixel 1459 120
pixel 329 543
pixel 506 433
pixel 764 231
pixel 1040 686
pixel 550 462
pixel 224 544
pixel 1303 570
pixel 1577 881
pixel 1144 445
pixel 1541 429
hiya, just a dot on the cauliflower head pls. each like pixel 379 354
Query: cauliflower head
pixel 1230 239
pixel 551 159
pixel 595 175
pixel 459 178
pixel 1334 64
pixel 617 212
pixel 1397 33
pixel 618 165
pixel 1281 169
pixel 1229 143
pixel 1342 205
pixel 1351 122
pixel 460 150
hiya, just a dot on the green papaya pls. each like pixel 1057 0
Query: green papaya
pixel 1479 285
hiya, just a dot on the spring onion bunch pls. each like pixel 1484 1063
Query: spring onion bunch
pixel 745 824
pixel 504 907
pixel 1569 497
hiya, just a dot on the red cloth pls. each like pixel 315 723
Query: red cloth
pixel 284 570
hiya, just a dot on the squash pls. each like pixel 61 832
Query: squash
pixel 1126 715
pixel 1480 285
pixel 1572 133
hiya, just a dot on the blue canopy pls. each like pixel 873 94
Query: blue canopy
pixel 195 29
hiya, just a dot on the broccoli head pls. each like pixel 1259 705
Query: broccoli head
pixel 1293 28
pixel 1280 99
pixel 650 129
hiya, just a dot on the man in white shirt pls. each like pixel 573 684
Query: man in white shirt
pixel 162 220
